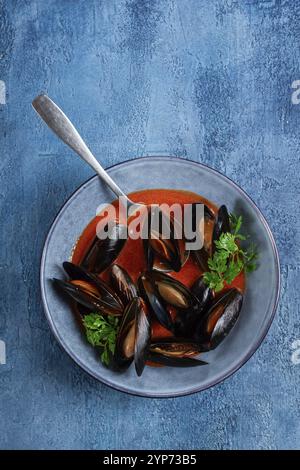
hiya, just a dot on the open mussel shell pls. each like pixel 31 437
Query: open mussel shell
pixel 219 320
pixel 88 296
pixel 208 214
pixel 156 303
pixel 124 351
pixel 202 292
pixel 175 347
pixel 89 291
pixel 174 361
pixel 159 265
pixel 222 223
pixel 133 338
pixel 106 293
pixel 103 252
pixel 142 337
pixel 161 242
pixel 122 283
pixel 186 321
pixel 172 291
pixel 201 256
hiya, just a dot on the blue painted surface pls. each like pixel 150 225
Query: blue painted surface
pixel 207 80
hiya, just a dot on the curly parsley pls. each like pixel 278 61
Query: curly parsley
pixel 102 332
pixel 229 258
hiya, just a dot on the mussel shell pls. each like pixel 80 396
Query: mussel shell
pixel 220 319
pixel 107 294
pixel 202 292
pixel 175 361
pixel 208 214
pixel 142 337
pixel 81 293
pixel 172 291
pixel 159 265
pixel 103 252
pixel 166 249
pixel 122 283
pixel 127 322
pixel 201 257
pixel 175 347
pixel 135 328
pixel 157 305
pixel 186 321
pixel 222 223
pixel 149 255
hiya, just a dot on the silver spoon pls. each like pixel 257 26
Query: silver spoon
pixel 55 118
pixel 64 129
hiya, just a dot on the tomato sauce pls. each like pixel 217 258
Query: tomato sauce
pixel 132 256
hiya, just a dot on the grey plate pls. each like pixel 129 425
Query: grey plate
pixel 262 288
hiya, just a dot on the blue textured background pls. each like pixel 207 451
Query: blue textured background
pixel 207 80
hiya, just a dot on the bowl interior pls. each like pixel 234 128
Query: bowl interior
pixel 262 285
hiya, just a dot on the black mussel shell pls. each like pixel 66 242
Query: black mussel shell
pixel 103 252
pixel 149 254
pixel 186 321
pixel 155 245
pixel 202 292
pixel 142 337
pixel 124 351
pixel 156 303
pixel 77 272
pixel 122 283
pixel 134 335
pixel 220 319
pixel 222 223
pixel 201 257
pixel 175 361
pixel 88 295
pixel 159 265
pixel 172 291
pixel 208 214
pixel 175 347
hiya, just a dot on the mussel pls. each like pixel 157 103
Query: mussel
pixel 222 223
pixel 219 319
pixel 122 283
pixel 133 338
pixel 150 293
pixel 175 347
pixel 172 291
pixel 202 292
pixel 186 321
pixel 90 291
pixel 174 361
pixel 201 256
pixel 159 265
pixel 103 252
pixel 160 241
pixel 208 214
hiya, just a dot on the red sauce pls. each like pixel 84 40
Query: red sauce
pixel 132 257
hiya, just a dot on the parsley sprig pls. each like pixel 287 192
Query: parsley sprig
pixel 102 332
pixel 229 258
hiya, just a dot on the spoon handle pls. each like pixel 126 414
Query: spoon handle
pixel 64 129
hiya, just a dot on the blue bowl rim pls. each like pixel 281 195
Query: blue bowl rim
pixel 151 394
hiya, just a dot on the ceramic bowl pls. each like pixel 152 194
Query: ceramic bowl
pixel 261 295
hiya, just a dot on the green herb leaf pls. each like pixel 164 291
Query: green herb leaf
pixel 229 258
pixel 102 332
